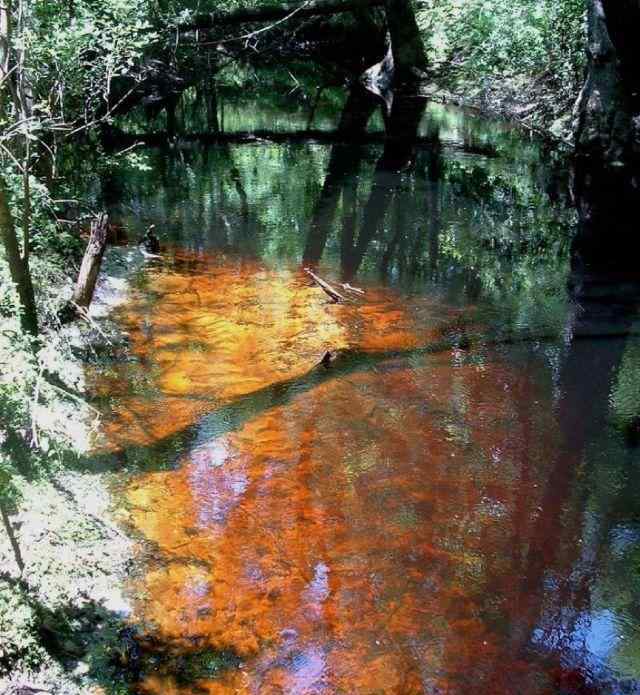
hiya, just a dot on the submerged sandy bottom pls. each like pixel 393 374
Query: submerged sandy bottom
pixel 377 532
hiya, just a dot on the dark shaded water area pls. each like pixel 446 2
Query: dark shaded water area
pixel 452 506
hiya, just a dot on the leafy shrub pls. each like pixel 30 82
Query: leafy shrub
pixel 535 42
pixel 19 641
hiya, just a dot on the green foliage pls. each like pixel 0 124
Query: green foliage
pixel 19 643
pixel 534 48
pixel 39 423
pixel 625 399
pixel 76 51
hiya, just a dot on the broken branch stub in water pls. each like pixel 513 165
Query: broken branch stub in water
pixel 323 284
pixel 326 360
pixel 149 245
pixel 89 270
pixel 350 288
pixel 88 275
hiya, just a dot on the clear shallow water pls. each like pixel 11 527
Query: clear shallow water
pixel 462 519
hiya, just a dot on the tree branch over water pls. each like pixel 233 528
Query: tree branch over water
pixel 274 12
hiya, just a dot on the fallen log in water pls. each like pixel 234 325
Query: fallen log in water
pixel 331 137
pixel 274 11
pixel 333 293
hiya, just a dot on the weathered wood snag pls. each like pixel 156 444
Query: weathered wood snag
pixel 90 268
pixel 323 284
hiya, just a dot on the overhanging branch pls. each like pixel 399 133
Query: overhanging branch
pixel 276 11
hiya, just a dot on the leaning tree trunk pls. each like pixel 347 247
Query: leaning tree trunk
pixel 607 126
pixel 18 266
pixel 90 268
pixel 13 541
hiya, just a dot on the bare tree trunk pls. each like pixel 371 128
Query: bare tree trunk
pixel 90 268
pixel 409 57
pixel 15 546
pixel 607 125
pixel 607 130
pixel 18 266
pixel 18 263
pixel 5 50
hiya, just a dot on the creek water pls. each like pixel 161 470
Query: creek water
pixel 455 519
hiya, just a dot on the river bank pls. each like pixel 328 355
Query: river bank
pixel 63 613
pixel 527 104
pixel 61 619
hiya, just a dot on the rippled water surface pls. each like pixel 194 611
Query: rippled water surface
pixel 455 519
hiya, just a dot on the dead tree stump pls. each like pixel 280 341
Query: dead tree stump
pixel 90 268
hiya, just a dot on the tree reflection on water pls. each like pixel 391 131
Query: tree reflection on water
pixel 461 521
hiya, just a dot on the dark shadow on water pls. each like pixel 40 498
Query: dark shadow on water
pixel 344 164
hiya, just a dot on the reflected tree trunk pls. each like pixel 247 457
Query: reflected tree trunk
pixel 236 181
pixel 433 200
pixel 174 124
pixel 397 158
pixel 349 218
pixel 314 105
pixel 210 91
pixel 398 230
pixel 603 303
pixel 212 105
pixel 344 163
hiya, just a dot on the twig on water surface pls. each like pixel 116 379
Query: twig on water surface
pixel 323 284
pixel 350 288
